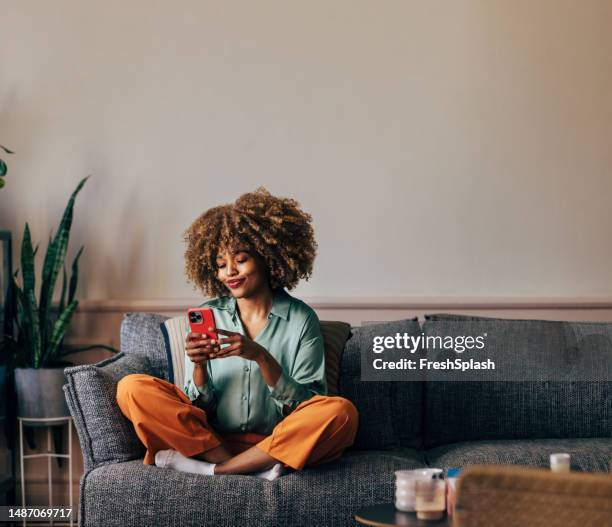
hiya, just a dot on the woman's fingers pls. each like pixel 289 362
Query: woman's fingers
pixel 197 342
pixel 226 332
pixel 229 340
pixel 228 350
pixel 199 351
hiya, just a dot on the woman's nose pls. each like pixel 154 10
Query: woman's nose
pixel 231 268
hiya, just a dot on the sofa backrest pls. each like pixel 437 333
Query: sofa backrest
pixel 462 410
pixel 390 412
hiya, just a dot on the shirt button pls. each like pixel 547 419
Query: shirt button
pixel 243 427
pixel 244 397
pixel 246 368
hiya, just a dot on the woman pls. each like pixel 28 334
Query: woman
pixel 255 400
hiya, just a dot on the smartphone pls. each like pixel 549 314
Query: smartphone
pixel 200 319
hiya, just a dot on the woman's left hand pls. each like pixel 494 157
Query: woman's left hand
pixel 239 345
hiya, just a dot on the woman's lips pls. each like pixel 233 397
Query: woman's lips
pixel 233 284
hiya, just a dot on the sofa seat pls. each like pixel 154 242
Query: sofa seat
pixel 587 454
pixel 131 493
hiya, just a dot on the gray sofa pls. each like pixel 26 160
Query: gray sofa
pixel 402 425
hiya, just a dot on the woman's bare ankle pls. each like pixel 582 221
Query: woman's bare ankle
pixel 214 455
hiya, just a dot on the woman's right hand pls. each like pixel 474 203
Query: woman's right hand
pixel 199 348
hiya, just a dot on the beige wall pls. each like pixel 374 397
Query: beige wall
pixel 455 148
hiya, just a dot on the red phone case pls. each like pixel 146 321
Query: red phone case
pixel 208 321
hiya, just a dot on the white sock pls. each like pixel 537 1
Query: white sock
pixel 272 473
pixel 177 461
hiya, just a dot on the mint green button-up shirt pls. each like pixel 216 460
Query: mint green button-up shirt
pixel 236 395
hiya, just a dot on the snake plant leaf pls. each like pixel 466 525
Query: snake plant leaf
pixel 74 277
pixel 56 253
pixel 29 283
pixel 59 329
pixel 27 261
pixel 62 301
pixel 45 329
pixel 24 325
pixel 6 150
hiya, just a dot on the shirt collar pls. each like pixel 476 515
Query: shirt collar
pixel 281 302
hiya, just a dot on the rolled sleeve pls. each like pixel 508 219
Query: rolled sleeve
pixel 307 377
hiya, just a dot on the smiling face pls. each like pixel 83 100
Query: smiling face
pixel 242 272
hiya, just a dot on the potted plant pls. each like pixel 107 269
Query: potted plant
pixel 37 347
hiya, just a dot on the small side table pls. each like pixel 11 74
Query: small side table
pixel 386 515
pixel 46 421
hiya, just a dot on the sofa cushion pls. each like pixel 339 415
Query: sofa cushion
pixel 140 335
pixel 335 335
pixel 326 494
pixel 105 434
pixel 528 409
pixel 590 455
pixel 389 411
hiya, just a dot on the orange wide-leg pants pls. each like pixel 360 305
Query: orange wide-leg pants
pixel 317 431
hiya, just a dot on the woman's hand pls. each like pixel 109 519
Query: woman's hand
pixel 239 345
pixel 199 348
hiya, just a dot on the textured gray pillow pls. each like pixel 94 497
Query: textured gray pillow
pixel 105 434
pixel 141 335
pixel 389 411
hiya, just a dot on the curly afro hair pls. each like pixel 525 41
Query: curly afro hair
pixel 274 228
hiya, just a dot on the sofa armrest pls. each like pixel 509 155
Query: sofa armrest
pixel 105 434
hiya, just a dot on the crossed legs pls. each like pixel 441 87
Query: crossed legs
pixel 317 431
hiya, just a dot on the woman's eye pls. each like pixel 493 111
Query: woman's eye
pixel 220 266
pixel 242 260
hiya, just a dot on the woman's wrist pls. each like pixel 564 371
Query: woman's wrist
pixel 200 374
pixel 263 357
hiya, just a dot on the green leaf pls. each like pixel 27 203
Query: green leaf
pixel 27 261
pixel 24 327
pixel 74 277
pixel 59 329
pixel 3 169
pixel 56 253
pixel 62 301
pixel 29 283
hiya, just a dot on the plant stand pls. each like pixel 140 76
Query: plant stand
pixel 48 421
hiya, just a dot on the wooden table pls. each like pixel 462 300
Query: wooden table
pixel 386 515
